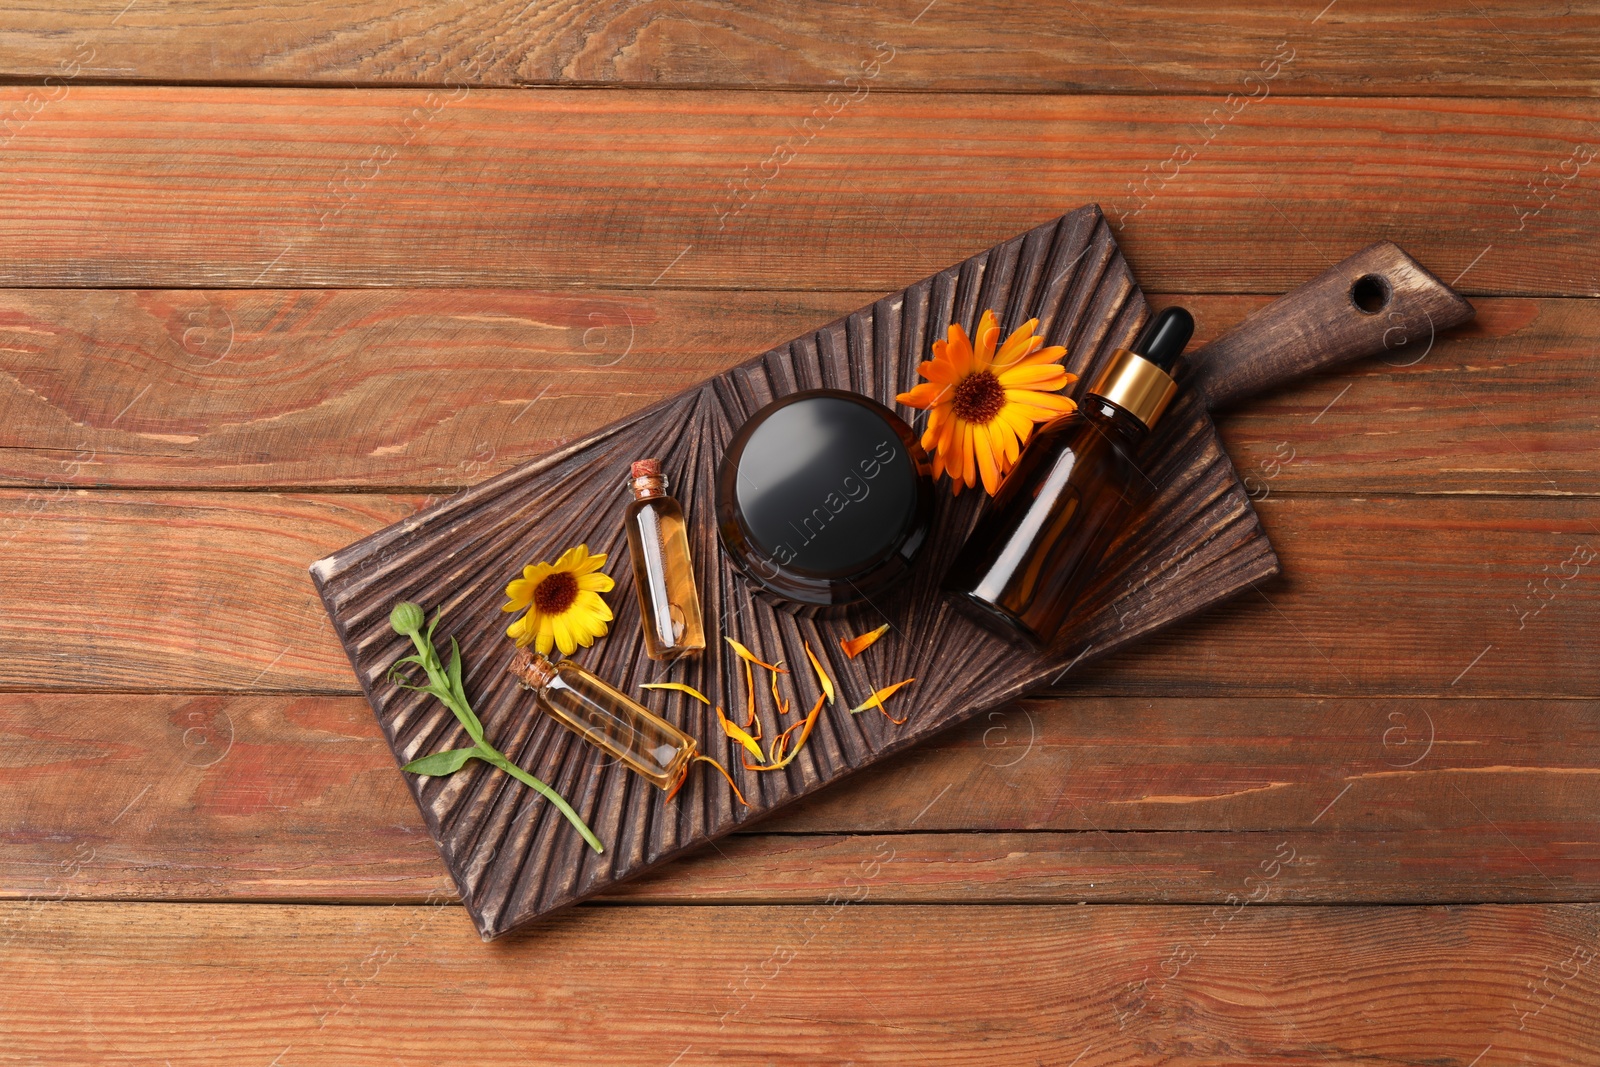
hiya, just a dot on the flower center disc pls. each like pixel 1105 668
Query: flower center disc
pixel 556 593
pixel 979 398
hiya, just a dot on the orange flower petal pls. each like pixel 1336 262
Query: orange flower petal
pixel 1006 446
pixel 923 396
pixel 958 351
pixel 1021 343
pixel 937 418
pixel 987 336
pixel 1043 376
pixel 750 657
pixel 969 457
pixel 779 759
pixel 876 700
pixel 778 702
pixel 750 718
pixel 1033 398
pixel 718 766
pixel 822 675
pixel 733 731
pixel 1020 424
pixel 983 445
pixel 679 687
pixel 1053 354
pixel 854 646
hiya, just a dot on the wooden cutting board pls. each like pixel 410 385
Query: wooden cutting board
pixel 1194 542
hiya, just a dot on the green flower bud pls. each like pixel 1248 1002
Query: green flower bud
pixel 407 618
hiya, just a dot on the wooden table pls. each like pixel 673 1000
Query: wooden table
pixel 277 276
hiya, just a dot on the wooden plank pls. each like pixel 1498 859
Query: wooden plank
pixel 1098 799
pixel 119 186
pixel 1500 48
pixel 1382 595
pixel 432 389
pixel 221 985
pixel 1491 407
pixel 1396 595
pixel 427 388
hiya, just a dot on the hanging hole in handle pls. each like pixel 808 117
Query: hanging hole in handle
pixel 1370 293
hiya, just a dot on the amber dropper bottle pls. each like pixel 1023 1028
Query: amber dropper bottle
pixel 1049 525
pixel 663 572
pixel 606 718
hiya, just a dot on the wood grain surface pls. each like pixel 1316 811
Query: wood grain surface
pixel 844 981
pixel 133 187
pixel 432 390
pixel 1107 799
pixel 1382 594
pixel 268 295
pixel 982 47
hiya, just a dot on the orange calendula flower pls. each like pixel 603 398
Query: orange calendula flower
pixel 563 602
pixel 982 403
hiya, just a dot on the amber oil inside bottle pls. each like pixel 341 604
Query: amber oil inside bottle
pixel 606 718
pixel 1039 543
pixel 663 572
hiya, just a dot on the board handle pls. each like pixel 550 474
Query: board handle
pixel 1378 299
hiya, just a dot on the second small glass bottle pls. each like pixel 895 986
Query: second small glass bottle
pixel 663 572
pixel 1043 536
pixel 606 718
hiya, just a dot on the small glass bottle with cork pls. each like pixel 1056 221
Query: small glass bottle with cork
pixel 607 718
pixel 663 570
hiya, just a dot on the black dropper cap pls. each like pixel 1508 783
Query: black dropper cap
pixel 1163 338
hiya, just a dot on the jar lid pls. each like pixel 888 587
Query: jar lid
pixel 824 498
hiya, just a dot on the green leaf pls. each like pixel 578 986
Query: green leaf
pixel 434 689
pixel 462 706
pixel 455 671
pixel 441 763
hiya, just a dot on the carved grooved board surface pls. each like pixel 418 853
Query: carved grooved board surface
pixel 1194 541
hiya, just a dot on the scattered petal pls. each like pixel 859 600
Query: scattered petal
pixel 750 657
pixel 777 699
pixel 854 646
pixel 778 757
pixel 698 758
pixel 750 701
pixel 678 687
pixel 739 735
pixel 822 675
pixel 876 700
pixel 725 774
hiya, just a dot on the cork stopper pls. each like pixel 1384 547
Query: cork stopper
pixel 531 669
pixel 647 479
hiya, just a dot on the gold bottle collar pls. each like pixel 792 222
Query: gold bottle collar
pixel 1136 385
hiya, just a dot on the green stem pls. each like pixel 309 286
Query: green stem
pixel 494 757
pixel 491 755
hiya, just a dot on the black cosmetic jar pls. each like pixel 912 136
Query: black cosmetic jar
pixel 824 499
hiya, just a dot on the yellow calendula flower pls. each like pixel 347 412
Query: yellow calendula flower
pixel 563 601
pixel 982 403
